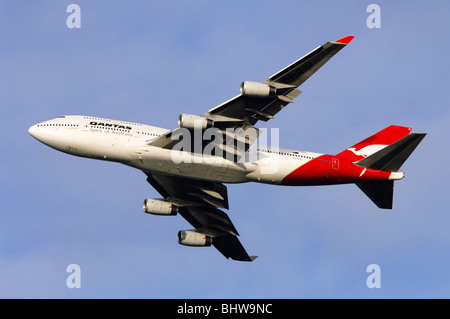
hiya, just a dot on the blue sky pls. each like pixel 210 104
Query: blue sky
pixel 147 62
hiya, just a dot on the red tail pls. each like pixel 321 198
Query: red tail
pixel 375 142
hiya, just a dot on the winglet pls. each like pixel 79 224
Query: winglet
pixel 345 40
pixel 253 258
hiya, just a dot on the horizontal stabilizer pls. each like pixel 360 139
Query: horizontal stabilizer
pixel 380 192
pixel 392 157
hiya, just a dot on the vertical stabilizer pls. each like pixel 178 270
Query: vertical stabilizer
pixel 389 159
pixel 376 142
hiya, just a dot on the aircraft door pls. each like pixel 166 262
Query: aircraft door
pixel 335 163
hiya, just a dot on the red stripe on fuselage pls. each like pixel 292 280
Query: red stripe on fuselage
pixel 328 169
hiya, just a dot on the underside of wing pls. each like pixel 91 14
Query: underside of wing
pixel 263 102
pixel 231 247
pixel 198 201
pixel 234 119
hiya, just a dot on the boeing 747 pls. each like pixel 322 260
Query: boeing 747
pixel 190 164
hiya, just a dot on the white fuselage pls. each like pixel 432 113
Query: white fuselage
pixel 127 143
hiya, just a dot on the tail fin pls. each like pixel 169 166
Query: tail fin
pixel 389 158
pixel 392 157
pixel 375 142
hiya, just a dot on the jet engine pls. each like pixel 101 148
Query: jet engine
pixel 257 89
pixel 193 238
pixel 194 121
pixel 159 207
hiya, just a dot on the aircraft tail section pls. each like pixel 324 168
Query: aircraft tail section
pixel 392 157
pixel 376 142
pixel 380 192
pixel 389 159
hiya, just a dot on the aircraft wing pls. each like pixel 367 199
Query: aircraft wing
pixel 250 109
pixel 239 114
pixel 198 203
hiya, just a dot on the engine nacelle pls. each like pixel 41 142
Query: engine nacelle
pixel 257 89
pixel 159 207
pixel 193 238
pixel 194 121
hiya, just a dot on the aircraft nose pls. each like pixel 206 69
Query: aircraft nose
pixel 33 131
pixel 47 134
pixel 38 133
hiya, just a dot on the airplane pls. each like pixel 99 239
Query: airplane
pixel 190 165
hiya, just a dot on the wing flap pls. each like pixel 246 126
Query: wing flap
pixel 208 220
pixel 189 190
